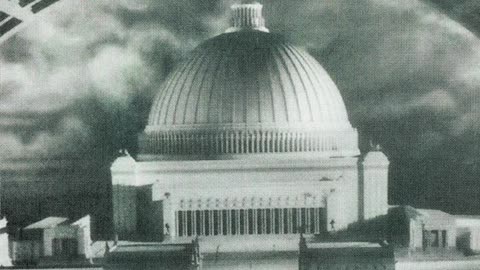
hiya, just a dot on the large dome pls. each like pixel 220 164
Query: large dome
pixel 248 92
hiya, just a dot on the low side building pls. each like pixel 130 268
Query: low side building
pixel 152 255
pixel 53 240
pixel 345 255
pixel 468 234
pixel 423 230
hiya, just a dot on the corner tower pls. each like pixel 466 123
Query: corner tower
pixel 373 184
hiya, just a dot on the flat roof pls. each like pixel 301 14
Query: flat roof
pixel 467 221
pixel 333 245
pixel 166 254
pixel 46 223
pixel 147 247
pixel 433 213
pixel 341 252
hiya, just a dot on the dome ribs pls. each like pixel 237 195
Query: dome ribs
pixel 258 87
pixel 327 98
pixel 165 106
pixel 286 82
pixel 266 105
pixel 310 93
pixel 157 104
pixel 250 69
pixel 288 67
pixel 276 83
pixel 239 101
pixel 243 90
pixel 205 85
pixel 323 101
pixel 341 115
pixel 168 92
pixel 275 107
pixel 217 83
pixel 227 104
pixel 245 93
pixel 178 116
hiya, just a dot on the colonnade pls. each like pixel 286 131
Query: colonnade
pixel 250 221
pixel 244 142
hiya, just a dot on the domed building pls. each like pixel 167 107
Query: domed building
pixel 249 136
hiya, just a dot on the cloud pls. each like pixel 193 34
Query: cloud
pixel 399 65
pixel 97 64
pixel 116 73
pixel 68 136
pixel 408 73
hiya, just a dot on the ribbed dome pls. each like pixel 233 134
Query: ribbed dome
pixel 249 92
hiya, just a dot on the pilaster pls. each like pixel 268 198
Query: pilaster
pixel 373 185
pixel 124 188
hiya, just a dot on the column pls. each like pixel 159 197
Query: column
pixel 264 221
pixel 254 222
pixel 185 223
pixel 245 221
pixel 237 221
pixel 222 143
pixel 178 228
pixel 272 219
pixel 307 220
pixel 299 219
pixel 318 220
pixel 281 221
pixel 211 223
pixel 202 222
pixel 290 221
pixel 220 218
pixel 269 142
pixel 229 222
pixel 262 142
pixel 194 222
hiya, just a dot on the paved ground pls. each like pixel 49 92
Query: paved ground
pixel 290 264
pixel 442 265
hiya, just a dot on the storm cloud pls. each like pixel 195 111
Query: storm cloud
pixel 86 72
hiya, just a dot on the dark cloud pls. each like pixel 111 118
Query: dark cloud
pixel 409 74
pixel 465 11
pixel 99 63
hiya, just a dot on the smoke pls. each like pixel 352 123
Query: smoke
pixel 409 74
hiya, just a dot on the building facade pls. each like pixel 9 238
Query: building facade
pixel 52 240
pixel 249 136
pixel 424 230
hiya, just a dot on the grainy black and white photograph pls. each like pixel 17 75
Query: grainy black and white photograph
pixel 230 134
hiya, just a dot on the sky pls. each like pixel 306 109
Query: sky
pixel 78 82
